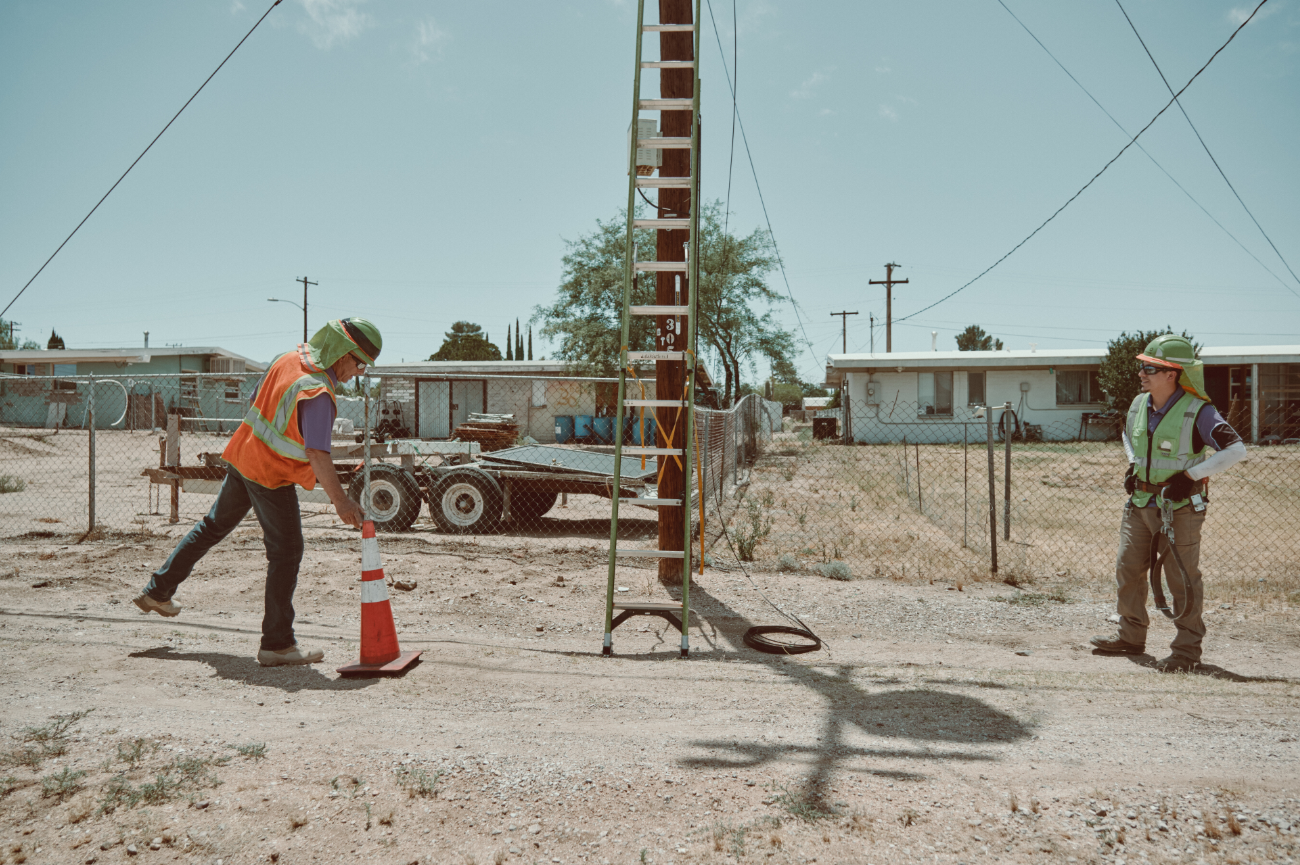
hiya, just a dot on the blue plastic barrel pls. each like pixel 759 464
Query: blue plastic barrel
pixel 649 430
pixel 563 428
pixel 603 429
pixel 582 426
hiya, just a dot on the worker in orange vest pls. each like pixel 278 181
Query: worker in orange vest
pixel 284 441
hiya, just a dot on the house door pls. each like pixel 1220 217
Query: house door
pixel 433 399
pixel 466 397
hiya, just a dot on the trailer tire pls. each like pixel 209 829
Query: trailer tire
pixel 465 501
pixel 394 497
pixel 529 502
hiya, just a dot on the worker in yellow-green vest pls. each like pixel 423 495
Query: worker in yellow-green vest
pixel 283 443
pixel 1174 439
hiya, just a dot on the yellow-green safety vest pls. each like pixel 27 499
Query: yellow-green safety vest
pixel 1161 453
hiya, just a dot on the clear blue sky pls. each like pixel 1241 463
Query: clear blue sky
pixel 424 161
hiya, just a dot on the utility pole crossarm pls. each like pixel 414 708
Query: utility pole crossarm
pixel 889 282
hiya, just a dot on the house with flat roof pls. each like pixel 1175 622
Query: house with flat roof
pixel 932 395
pixel 137 387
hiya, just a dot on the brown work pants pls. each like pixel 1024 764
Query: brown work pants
pixel 1137 529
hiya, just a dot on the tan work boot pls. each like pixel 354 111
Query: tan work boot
pixel 1115 646
pixel 293 656
pixel 162 608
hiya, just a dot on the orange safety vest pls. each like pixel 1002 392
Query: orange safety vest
pixel 268 447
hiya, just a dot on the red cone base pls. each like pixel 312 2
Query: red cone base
pixel 395 666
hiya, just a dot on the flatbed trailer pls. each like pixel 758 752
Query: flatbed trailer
pixel 466 490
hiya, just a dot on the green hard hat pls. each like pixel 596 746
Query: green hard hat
pixel 1176 352
pixel 1169 349
pixel 366 336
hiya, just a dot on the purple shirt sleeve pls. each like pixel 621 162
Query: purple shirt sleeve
pixel 1214 430
pixel 316 419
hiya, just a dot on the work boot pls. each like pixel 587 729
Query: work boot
pixel 1176 664
pixel 293 656
pixel 1116 646
pixel 163 608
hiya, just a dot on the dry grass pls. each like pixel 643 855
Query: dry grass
pixel 860 505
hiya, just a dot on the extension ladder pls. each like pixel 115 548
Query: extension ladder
pixel 677 438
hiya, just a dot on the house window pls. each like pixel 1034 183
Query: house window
pixel 232 391
pixel 539 392
pixel 975 388
pixel 934 393
pixel 24 369
pixel 1077 387
pixel 65 369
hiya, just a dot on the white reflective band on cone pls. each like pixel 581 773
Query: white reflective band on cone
pixel 370 554
pixel 373 591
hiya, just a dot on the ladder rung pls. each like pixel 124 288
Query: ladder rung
pixel 663 224
pixel 651 554
pixel 667 105
pixel 668 64
pixel 652 503
pixel 662 265
pixel 656 355
pixel 663 182
pixel 661 310
pixel 664 143
pixel 656 403
pixel 650 452
pixel 668 28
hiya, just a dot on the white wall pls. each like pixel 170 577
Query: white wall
pixel 896 417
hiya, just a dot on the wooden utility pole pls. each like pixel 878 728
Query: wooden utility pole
pixel 671 288
pixel 305 283
pixel 844 329
pixel 889 282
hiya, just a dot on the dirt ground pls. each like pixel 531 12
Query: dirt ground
pixel 941 725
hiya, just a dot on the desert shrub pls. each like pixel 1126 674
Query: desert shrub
pixel 835 570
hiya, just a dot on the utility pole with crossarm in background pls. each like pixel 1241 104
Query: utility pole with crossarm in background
pixel 889 282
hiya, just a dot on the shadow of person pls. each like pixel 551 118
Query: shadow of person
pixel 245 669
pixel 926 716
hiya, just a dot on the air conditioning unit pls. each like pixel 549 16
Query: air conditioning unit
pixel 226 365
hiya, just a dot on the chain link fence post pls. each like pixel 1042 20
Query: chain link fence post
pixel 90 415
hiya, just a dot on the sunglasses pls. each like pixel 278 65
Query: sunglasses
pixel 1149 369
pixel 361 364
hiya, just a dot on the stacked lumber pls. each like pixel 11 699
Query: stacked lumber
pixel 493 432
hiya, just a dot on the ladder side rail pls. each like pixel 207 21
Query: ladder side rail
pixel 629 258
pixel 691 357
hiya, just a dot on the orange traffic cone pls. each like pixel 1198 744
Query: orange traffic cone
pixel 379 650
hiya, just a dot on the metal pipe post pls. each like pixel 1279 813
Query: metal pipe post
pixel 993 493
pixel 965 478
pixel 1006 482
pixel 90 419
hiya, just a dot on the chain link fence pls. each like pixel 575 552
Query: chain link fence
pixel 887 491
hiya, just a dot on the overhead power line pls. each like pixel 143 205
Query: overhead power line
pixel 1102 171
pixel 745 139
pixel 1143 149
pixel 1133 27
pixel 138 158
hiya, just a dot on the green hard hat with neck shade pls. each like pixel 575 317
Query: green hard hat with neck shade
pixel 340 337
pixel 1177 352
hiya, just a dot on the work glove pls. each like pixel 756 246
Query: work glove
pixel 1180 487
pixel 1130 480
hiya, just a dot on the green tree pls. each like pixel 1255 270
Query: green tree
pixel 735 315
pixel 973 338
pixel 56 341
pixel 530 342
pixel 510 346
pixel 519 342
pixel 466 341
pixel 10 344
pixel 1119 369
